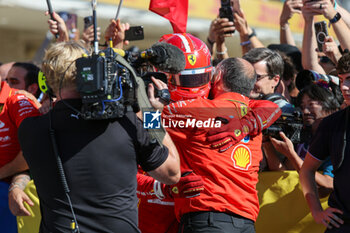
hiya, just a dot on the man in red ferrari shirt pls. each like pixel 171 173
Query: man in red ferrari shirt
pixel 194 82
pixel 229 202
pixel 13 109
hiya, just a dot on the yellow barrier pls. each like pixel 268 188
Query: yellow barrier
pixel 283 208
pixel 30 224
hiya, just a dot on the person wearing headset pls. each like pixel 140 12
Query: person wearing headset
pixel 99 157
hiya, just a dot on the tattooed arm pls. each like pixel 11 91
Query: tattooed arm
pixel 17 196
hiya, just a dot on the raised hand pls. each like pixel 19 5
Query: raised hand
pixel 116 31
pixel 58 26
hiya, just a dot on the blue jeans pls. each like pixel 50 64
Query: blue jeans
pixel 215 222
pixel 8 222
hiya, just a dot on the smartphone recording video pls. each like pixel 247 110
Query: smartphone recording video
pixel 88 21
pixel 321 33
pixel 134 33
pixel 226 11
pixel 71 21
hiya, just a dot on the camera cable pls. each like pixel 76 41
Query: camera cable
pixel 74 224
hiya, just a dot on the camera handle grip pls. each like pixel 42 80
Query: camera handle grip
pixel 143 101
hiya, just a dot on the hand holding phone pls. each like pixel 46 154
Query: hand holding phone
pixel 226 11
pixel 134 33
pixel 88 21
pixel 88 34
pixel 321 32
pixel 71 21
pixel 296 5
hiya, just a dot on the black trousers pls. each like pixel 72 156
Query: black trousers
pixel 215 222
pixel 344 228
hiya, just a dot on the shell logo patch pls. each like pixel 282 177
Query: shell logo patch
pixel 244 110
pixel 237 132
pixel 241 157
pixel 192 59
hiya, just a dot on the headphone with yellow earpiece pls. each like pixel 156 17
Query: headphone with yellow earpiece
pixel 43 85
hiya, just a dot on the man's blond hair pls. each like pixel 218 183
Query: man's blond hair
pixel 59 64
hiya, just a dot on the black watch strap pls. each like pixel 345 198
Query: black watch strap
pixel 164 95
pixel 210 42
pixel 336 18
pixel 252 34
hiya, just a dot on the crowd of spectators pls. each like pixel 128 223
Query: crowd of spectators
pixel 217 189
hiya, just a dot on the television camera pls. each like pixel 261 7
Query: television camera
pixel 291 124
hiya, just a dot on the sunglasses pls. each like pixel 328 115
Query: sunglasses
pixel 261 76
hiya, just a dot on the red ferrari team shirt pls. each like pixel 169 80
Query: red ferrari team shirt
pixel 230 177
pixel 155 215
pixel 14 108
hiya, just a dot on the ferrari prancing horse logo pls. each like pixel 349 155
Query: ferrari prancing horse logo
pixel 192 59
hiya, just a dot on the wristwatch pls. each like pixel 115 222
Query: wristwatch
pixel 252 34
pixel 336 18
pixel 210 42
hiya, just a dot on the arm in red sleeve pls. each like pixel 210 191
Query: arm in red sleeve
pixel 265 113
pixel 262 114
pixel 190 185
pixel 144 185
pixel 20 107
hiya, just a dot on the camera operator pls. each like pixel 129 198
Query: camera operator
pixel 99 157
pixel 316 102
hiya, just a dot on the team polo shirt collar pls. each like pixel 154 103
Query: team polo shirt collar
pixel 5 92
pixel 233 95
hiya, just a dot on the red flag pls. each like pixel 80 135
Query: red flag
pixel 173 10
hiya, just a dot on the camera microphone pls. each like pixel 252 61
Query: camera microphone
pixel 165 57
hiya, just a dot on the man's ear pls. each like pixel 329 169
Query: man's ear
pixel 277 79
pixel 33 88
pixel 217 76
